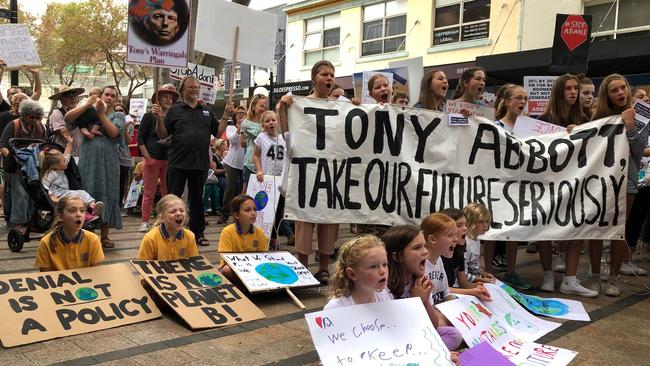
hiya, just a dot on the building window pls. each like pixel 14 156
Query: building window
pixel 237 77
pixel 618 18
pixel 322 38
pixel 384 28
pixel 458 21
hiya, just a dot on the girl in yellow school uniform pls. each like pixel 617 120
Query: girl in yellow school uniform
pixel 67 245
pixel 169 239
pixel 243 235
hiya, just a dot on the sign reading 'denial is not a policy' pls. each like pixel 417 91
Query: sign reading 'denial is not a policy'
pixel 394 165
pixel 39 306
pixel 269 270
pixel 197 292
pixel 395 332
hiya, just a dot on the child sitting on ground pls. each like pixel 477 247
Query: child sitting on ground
pixel 242 236
pixel 53 166
pixel 67 245
pixel 169 239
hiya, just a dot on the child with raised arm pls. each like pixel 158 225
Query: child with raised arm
pixel 169 239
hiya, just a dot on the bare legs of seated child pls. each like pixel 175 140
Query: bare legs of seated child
pixel 94 208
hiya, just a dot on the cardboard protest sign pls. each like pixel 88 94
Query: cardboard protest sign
pixel 415 71
pixel 158 33
pixel 269 271
pixel 480 322
pixel 256 44
pixel 391 165
pixel 17 47
pixel 138 107
pixel 395 332
pixel 39 306
pixel 570 52
pixel 552 307
pixel 205 75
pixel 266 196
pixel 483 355
pixel 539 93
pixel 398 78
pixel 530 127
pixel 642 115
pixel 455 106
pixel 197 292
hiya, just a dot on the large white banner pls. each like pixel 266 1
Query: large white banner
pixel 387 165
pixel 158 33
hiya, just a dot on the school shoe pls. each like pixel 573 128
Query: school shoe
pixel 144 227
pixel 571 286
pixel 611 289
pixel 548 284
pixel 516 281
pixel 631 269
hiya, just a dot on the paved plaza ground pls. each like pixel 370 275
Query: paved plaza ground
pixel 619 333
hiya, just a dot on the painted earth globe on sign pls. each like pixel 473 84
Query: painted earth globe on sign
pixel 86 294
pixel 261 200
pixel 277 272
pixel 210 279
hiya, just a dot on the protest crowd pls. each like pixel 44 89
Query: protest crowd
pixel 189 163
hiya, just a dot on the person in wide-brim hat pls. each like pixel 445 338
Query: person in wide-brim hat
pixel 165 89
pixel 64 89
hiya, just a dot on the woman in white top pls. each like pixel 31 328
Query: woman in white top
pixel 233 162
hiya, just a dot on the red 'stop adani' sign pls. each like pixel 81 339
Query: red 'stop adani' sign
pixel 574 31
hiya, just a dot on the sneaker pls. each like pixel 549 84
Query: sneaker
pixel 610 288
pixel 604 270
pixel 516 281
pixel 559 263
pixel 571 286
pixel 630 269
pixel 499 262
pixel 593 284
pixel 531 248
pixel 144 227
pixel 98 209
pixel 548 284
pixel 90 217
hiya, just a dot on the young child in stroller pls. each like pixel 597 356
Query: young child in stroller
pixel 56 183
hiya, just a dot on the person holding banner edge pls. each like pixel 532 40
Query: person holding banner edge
pixel 190 125
pixel 614 98
pixel 322 77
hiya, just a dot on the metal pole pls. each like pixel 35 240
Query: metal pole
pixel 13 8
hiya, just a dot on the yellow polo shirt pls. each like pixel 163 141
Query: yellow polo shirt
pixel 85 250
pixel 234 240
pixel 158 245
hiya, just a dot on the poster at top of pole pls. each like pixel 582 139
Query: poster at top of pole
pixel 158 32
pixel 570 51
pixel 215 29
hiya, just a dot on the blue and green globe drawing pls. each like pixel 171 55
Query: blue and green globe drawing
pixel 277 272
pixel 210 279
pixel 86 294
pixel 261 200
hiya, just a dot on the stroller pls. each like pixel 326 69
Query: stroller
pixel 41 218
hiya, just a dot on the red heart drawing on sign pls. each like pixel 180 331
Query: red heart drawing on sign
pixel 319 321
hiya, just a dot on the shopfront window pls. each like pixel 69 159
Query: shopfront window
pixel 618 18
pixel 384 28
pixel 458 21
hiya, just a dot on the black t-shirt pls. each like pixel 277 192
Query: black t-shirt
pixel 190 130
pixel 148 137
pixel 454 264
pixel 4 106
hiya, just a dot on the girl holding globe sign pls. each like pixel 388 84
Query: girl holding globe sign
pixel 67 245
